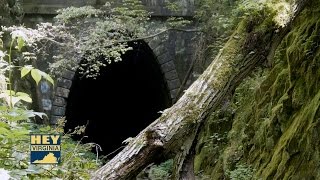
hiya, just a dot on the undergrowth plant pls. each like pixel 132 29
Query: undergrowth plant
pixel 241 172
pixel 16 124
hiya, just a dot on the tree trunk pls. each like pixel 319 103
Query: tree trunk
pixel 253 42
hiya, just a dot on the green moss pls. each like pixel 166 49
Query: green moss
pixel 276 126
pixel 298 142
pixel 213 136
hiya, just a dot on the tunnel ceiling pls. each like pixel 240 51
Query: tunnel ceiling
pixel 122 101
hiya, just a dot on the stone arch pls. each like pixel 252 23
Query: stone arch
pixel 164 59
pixel 137 89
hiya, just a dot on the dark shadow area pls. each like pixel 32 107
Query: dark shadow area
pixel 121 102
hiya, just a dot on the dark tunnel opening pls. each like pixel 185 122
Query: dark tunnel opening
pixel 122 101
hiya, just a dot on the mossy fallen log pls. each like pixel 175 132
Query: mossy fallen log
pixel 173 134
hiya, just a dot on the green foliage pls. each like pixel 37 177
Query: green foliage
pixel 73 13
pixel 11 12
pixel 241 172
pixel 131 10
pixel 157 172
pixel 175 8
pixel 253 8
pixel 77 160
pixel 36 74
pixel 87 38
pixel 12 97
pixel 86 34
pixel 244 91
pixel 177 22
pixel 19 38
pixel 98 41
pixel 162 171
pixel 249 7
pixel 217 21
pixel 16 125
pixel 215 16
pixel 212 139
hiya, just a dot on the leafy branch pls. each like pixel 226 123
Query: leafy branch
pixel 155 35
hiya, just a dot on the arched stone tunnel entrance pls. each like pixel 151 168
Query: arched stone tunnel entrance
pixel 122 101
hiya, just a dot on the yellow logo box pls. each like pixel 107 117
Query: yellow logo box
pixel 45 148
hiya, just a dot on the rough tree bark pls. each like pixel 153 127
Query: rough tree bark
pixel 253 42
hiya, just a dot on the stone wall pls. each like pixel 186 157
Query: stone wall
pixel 157 7
pixel 173 49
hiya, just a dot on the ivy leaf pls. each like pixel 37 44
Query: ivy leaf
pixel 49 78
pixel 20 42
pixel 25 70
pixel 31 113
pixel 40 114
pixel 18 114
pixel 6 95
pixel 8 92
pixel 36 75
pixel 14 100
pixel 24 97
pixel 28 114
